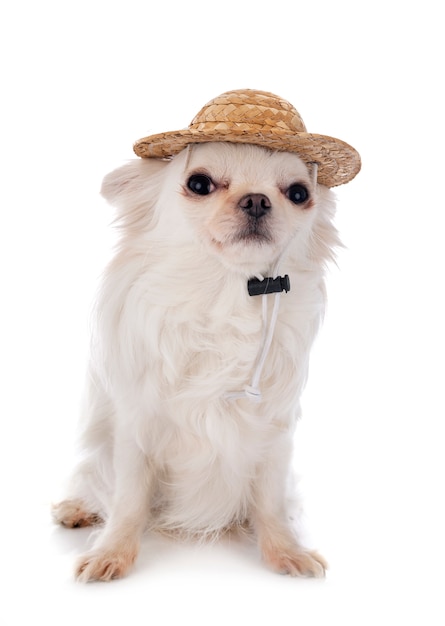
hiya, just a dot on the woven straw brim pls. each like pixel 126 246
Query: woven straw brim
pixel 338 162
pixel 261 118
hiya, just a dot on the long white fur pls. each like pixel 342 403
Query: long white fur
pixel 163 447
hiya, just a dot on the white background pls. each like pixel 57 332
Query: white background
pixel 80 82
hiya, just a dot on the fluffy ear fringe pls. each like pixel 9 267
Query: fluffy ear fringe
pixel 325 240
pixel 122 185
pixel 133 189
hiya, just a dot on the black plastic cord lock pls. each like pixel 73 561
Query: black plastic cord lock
pixel 257 287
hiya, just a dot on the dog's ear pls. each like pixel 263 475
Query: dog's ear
pixel 325 240
pixel 134 190
pixel 133 183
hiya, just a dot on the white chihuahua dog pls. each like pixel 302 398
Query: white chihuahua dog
pixel 198 359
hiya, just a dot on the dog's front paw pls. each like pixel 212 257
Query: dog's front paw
pixel 295 561
pixel 105 565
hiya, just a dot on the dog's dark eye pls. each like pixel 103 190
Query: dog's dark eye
pixel 297 194
pixel 200 184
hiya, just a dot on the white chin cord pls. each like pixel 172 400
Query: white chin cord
pixel 253 391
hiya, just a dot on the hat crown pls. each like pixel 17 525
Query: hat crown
pixel 259 118
pixel 247 109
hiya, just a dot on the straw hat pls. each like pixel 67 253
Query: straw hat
pixel 263 119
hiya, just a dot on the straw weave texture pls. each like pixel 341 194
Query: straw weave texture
pixel 259 118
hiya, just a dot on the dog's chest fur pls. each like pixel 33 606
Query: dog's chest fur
pixel 185 337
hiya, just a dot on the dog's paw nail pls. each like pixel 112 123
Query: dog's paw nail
pixel 104 566
pixel 74 514
pixel 297 563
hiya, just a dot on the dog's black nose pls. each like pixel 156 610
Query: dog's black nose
pixel 255 204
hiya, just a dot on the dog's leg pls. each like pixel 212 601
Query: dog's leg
pixel 279 545
pixel 87 498
pixel 118 544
